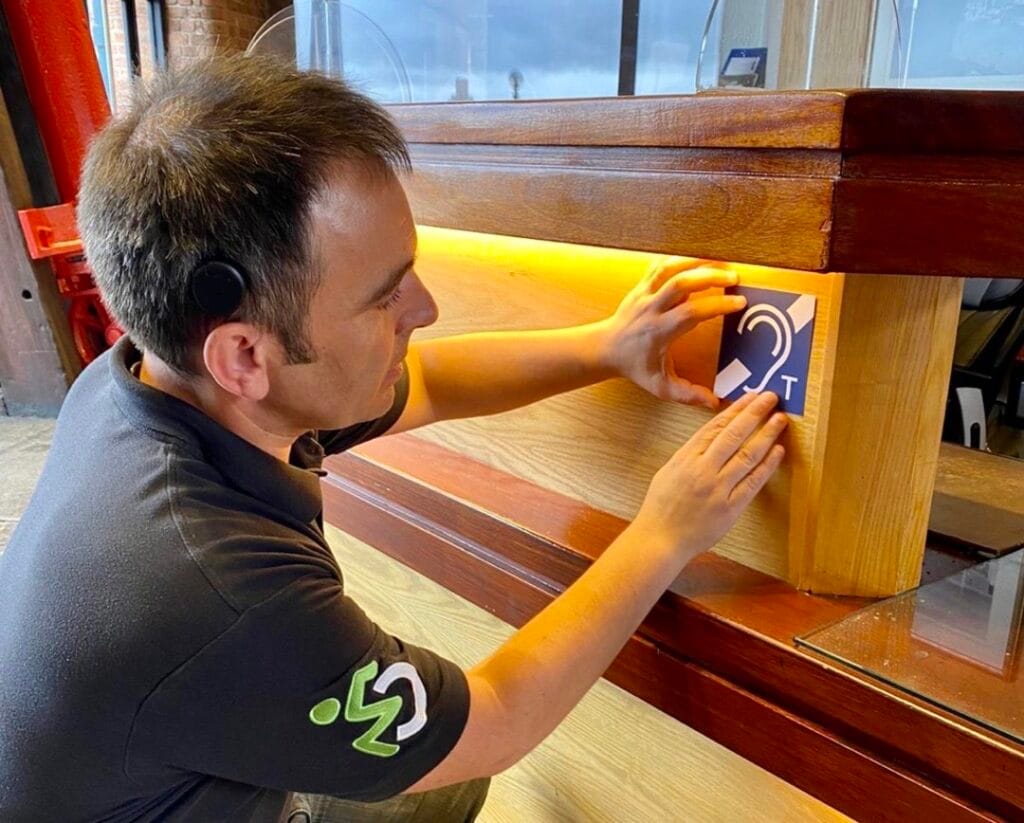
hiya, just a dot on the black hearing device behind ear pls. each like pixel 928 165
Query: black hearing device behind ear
pixel 218 287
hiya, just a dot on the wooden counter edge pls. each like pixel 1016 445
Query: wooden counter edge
pixel 724 631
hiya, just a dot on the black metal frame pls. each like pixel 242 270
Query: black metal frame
pixel 157 32
pixel 628 46
pixel 131 31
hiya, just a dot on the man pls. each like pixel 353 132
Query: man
pixel 176 643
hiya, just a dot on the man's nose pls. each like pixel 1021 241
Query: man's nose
pixel 422 309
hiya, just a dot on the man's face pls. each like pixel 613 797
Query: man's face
pixel 369 303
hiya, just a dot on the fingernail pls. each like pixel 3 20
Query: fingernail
pixel 739 300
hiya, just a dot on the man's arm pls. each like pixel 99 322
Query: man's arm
pixel 523 691
pixel 479 374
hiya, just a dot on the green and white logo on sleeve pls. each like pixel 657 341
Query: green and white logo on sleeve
pixel 383 712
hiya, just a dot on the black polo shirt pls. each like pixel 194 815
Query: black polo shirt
pixel 175 640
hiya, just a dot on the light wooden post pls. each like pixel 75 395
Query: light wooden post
pixel 865 496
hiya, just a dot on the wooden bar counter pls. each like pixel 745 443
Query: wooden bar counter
pixel 875 203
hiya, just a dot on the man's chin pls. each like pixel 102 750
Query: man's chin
pixel 381 405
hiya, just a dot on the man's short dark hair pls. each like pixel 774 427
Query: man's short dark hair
pixel 221 161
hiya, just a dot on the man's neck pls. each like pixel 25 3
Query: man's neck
pixel 214 403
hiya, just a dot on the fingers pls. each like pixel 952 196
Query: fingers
pixel 753 483
pixel 682 391
pixel 677 288
pixel 667 267
pixel 752 452
pixel 689 314
pixel 707 433
pixel 736 432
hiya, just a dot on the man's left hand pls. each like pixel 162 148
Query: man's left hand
pixel 659 309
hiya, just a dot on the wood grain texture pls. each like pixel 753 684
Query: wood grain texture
pixel 602 444
pixel 842 41
pixel 717 216
pixel 602 761
pixel 37 355
pixel 814 163
pixel 723 120
pixel 868 486
pixel 771 179
pixel 933 121
pixel 851 743
pixel 979 499
pixel 795 45
pixel 979 239
pixel 892 120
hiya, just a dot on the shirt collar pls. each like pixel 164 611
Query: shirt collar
pixel 293 487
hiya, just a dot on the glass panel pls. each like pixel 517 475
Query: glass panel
pixel 98 30
pixel 410 50
pixel 668 45
pixel 429 50
pixel 955 643
pixel 950 44
pixel 740 46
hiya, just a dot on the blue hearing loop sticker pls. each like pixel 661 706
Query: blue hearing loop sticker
pixel 767 347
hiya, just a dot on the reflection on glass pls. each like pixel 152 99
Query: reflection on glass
pixel 987 601
pixel 955 643
pixel 668 44
pixel 100 37
pixel 950 44
pixel 399 50
pixel 740 45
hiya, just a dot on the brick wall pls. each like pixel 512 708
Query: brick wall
pixel 193 29
pixel 117 42
pixel 198 28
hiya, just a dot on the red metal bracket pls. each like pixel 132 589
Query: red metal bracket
pixel 50 231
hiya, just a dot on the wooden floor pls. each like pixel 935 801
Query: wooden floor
pixel 614 758
pixel 23 446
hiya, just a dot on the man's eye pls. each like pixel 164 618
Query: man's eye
pixel 390 301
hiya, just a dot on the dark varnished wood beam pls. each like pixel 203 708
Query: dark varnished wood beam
pixel 874 181
pixel 781 121
pixel 717 651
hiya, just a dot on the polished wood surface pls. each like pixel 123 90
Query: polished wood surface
pixel 865 493
pixel 717 652
pixel 696 215
pixel 601 763
pixel 979 499
pixel 603 444
pixel 488 167
pixel 778 121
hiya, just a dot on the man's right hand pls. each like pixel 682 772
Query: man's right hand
pixel 697 496
pixel 520 693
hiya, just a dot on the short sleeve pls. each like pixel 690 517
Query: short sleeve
pixel 338 440
pixel 305 693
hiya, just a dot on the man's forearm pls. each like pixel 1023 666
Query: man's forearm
pixel 544 669
pixel 479 374
pixel 527 687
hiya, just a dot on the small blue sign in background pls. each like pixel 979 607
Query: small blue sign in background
pixel 767 347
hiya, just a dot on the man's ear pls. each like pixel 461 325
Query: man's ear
pixel 236 356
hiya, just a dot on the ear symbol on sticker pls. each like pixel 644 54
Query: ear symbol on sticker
pixel 776 320
pixel 753 362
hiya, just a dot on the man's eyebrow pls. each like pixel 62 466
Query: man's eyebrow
pixel 391 283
